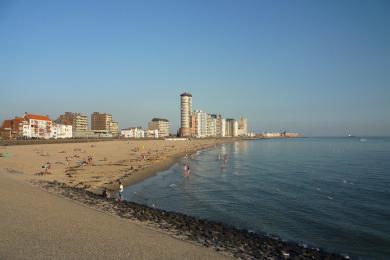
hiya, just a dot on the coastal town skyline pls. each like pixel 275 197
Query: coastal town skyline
pixel 261 60
pixel 194 124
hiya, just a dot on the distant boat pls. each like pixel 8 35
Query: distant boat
pixel 351 136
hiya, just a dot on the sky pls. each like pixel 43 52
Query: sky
pixel 321 68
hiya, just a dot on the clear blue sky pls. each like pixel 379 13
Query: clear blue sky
pixel 317 67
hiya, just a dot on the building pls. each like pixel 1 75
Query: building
pixel 185 114
pixel 103 121
pixel 37 126
pixel 61 131
pixel 212 125
pixel 13 128
pixel 133 132
pixel 114 128
pixel 231 129
pixel 221 126
pixel 200 119
pixel 242 126
pixel 78 121
pixel 194 124
pixel 160 124
pixel 93 134
pixel 151 133
pixel 100 121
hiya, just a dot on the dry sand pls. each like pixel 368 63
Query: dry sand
pixel 37 225
pixel 128 161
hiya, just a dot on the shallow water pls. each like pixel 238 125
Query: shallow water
pixel 332 193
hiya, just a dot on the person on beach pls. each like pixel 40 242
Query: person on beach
pixel 104 194
pixel 120 191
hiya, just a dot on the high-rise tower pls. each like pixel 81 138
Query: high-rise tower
pixel 185 108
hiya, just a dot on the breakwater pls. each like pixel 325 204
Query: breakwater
pixel 239 243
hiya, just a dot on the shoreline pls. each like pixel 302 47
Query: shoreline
pixel 219 236
pixel 168 163
pixel 121 160
pixel 222 238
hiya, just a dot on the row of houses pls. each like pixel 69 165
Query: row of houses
pixel 34 126
pixel 75 125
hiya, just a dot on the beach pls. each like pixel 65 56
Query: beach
pixel 128 161
pixel 35 224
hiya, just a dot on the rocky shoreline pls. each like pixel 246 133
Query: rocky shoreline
pixel 239 243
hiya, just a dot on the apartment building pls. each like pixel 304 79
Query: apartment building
pixel 78 121
pixel 160 124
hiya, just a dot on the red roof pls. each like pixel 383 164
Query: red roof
pixel 37 117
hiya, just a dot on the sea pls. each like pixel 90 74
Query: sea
pixel 328 193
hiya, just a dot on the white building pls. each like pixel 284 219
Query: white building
pixel 151 133
pixel 242 126
pixel 36 126
pixel 133 132
pixel 201 123
pixel 61 131
pixel 212 125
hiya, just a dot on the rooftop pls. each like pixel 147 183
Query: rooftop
pixel 37 117
pixel 185 94
pixel 159 119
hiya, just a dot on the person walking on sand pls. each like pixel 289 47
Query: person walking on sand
pixel 120 191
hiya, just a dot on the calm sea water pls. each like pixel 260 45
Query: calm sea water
pixel 332 193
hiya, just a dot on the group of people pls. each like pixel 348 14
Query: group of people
pixel 88 161
pixel 46 168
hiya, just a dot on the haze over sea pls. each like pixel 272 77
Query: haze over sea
pixel 332 193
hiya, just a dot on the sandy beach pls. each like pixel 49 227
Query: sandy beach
pixel 127 161
pixel 35 224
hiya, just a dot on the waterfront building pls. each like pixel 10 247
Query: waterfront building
pixel 61 131
pixel 201 123
pixel 133 132
pixel 36 126
pixel 152 133
pixel 242 126
pixel 212 125
pixel 194 124
pixel 231 127
pixel 221 126
pixel 114 128
pixel 185 114
pixel 160 124
pixel 103 121
pixel 13 128
pixel 78 121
